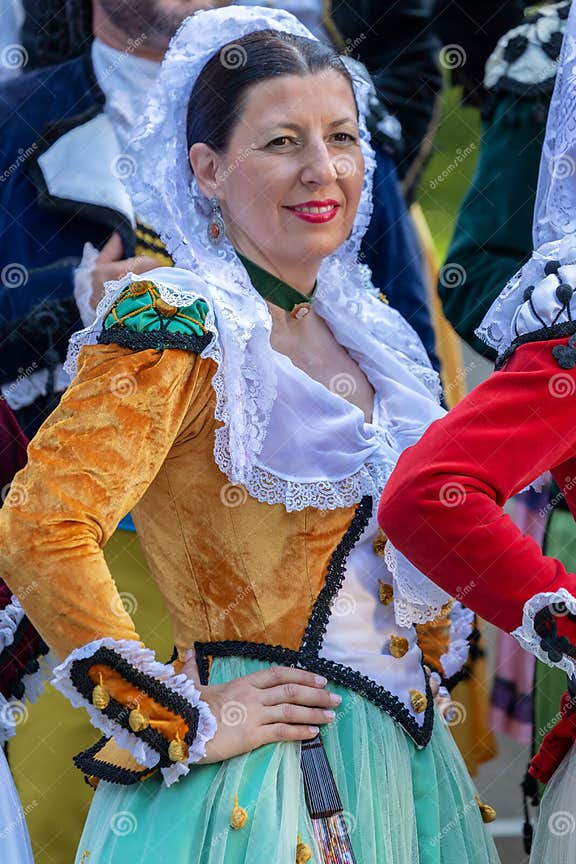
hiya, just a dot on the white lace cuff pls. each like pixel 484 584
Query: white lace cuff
pixel 461 625
pixel 83 284
pixel 159 683
pixel 537 633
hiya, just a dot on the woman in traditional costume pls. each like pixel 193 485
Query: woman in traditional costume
pixel 247 406
pixel 443 506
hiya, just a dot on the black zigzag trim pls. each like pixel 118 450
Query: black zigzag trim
pixel 118 334
pixel 93 767
pixel 146 684
pixel 307 657
pixel 544 334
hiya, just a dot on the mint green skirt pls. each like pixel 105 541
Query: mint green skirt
pixel 402 805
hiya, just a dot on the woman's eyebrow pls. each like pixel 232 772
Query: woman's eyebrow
pixel 296 126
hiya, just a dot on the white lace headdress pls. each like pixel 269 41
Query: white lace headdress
pixel 530 301
pixel 165 195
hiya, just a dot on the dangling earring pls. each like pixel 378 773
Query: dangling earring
pixel 216 227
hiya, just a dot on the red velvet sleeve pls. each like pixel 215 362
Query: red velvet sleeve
pixel 443 505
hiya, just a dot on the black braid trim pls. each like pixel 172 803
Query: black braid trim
pixel 150 686
pixel 118 334
pixel 316 628
pixel 544 334
pixel 554 645
pixel 93 767
pixel 463 674
pixel 307 657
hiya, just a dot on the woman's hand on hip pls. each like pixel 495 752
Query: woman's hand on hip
pixel 277 704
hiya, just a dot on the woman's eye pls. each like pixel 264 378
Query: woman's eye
pixel 344 137
pixel 281 141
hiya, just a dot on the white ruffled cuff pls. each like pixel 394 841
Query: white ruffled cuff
pixel 461 626
pixel 83 284
pixel 142 660
pixel 531 641
pixel 10 618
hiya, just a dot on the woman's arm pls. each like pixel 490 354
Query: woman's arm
pixel 87 467
pixel 443 505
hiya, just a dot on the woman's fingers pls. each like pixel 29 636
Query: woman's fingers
pixel 276 675
pixel 298 694
pixel 276 732
pixel 297 715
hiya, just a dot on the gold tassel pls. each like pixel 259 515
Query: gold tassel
pixel 418 701
pixel 385 593
pixel 137 720
pixel 303 852
pixel 238 816
pixel 177 749
pixel 100 696
pixel 487 812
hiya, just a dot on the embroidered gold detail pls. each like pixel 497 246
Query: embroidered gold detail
pixel 100 696
pixel 177 750
pixel 418 701
pixel 92 781
pixel 487 812
pixel 379 543
pixel 238 816
pixel 399 646
pixel 164 308
pixel 137 720
pixel 383 298
pixel 303 852
pixel 85 855
pixel 385 592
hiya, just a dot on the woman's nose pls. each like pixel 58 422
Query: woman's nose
pixel 320 168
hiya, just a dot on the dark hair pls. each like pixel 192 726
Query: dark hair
pixel 218 96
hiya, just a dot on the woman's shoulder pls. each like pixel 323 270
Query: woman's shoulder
pixel 164 308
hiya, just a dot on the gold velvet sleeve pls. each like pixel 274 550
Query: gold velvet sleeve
pixel 88 465
pixel 434 640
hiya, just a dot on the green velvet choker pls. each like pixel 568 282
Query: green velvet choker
pixel 277 292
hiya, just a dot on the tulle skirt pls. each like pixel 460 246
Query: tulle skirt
pixel 555 836
pixel 402 805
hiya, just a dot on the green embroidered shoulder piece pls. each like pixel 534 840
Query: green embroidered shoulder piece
pixel 140 319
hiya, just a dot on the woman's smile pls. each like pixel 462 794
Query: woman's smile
pixel 315 211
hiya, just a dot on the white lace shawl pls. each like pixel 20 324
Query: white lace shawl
pixel 246 381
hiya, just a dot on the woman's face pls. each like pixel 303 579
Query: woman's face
pixel 290 181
